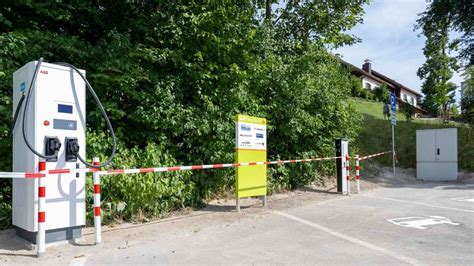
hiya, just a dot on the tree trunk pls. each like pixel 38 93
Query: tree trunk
pixel 268 11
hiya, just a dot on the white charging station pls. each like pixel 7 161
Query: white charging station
pixel 56 114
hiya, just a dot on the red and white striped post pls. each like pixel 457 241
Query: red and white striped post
pixel 348 173
pixel 41 235
pixel 97 222
pixel 357 173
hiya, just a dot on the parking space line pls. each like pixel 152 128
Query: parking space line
pixel 350 239
pixel 418 203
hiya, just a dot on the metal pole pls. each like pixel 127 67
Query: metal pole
pixel 97 222
pixel 41 235
pixel 237 203
pixel 348 173
pixel 264 200
pixel 357 173
pixel 393 148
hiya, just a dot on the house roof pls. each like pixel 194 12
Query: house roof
pixel 377 76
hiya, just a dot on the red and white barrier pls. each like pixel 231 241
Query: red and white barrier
pixel 348 174
pixel 358 159
pixel 41 234
pixel 357 172
pixel 97 210
pixel 374 155
pixel 158 169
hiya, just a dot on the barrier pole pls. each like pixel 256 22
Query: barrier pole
pixel 97 222
pixel 348 169
pixel 357 173
pixel 41 235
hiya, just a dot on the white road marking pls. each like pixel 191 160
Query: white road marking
pixel 351 239
pixel 418 203
pixel 467 199
pixel 420 222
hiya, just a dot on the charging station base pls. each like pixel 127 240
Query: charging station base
pixel 53 235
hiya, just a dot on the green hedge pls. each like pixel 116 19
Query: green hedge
pixel 172 80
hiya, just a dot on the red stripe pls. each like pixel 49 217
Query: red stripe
pixel 357 167
pixel 95 163
pixel 358 177
pixel 236 164
pixel 41 192
pixel 174 168
pixel 96 188
pixel 33 175
pixel 292 161
pixel 196 167
pixel 347 167
pixel 96 211
pixel 41 217
pixel 268 162
pixel 42 166
pixel 253 163
pixel 59 171
pixel 217 166
pixel 147 170
pixel 303 161
pixel 348 178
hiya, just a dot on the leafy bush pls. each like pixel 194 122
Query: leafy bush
pixel 172 80
pixel 356 86
pixel 408 110
pixel 382 94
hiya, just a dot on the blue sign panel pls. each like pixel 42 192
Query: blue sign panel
pixel 393 106
pixel 393 102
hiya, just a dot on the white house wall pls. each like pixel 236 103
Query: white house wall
pixel 408 97
pixel 370 81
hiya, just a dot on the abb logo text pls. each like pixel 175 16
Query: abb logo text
pixel 44 72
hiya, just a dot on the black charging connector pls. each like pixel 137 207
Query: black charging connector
pixel 51 148
pixel 72 149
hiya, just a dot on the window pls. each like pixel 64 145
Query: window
pixel 405 98
pixel 368 86
pixel 412 101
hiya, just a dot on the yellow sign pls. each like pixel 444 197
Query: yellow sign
pixel 251 146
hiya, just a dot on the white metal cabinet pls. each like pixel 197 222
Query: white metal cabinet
pixel 437 154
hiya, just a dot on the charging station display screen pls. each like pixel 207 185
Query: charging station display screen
pixel 62 108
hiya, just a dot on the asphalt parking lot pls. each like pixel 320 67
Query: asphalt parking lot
pixel 424 223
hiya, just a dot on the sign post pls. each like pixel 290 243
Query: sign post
pixel 393 107
pixel 251 146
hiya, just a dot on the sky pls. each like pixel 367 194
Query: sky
pixel 388 40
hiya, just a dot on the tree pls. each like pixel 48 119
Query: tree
pixel 172 75
pixel 467 100
pixel 382 94
pixel 408 110
pixel 439 66
pixel 459 16
pixel 325 22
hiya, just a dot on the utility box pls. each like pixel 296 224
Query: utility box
pixel 437 154
pixel 342 149
pixel 56 112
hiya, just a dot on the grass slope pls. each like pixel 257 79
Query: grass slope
pixel 376 136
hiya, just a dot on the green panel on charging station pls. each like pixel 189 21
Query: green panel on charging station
pixel 251 146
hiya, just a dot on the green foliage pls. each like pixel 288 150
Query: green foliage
pixel 382 94
pixel 376 135
pixel 436 72
pixel 467 100
pixel 140 196
pixel 408 110
pixel 172 77
pixel 356 87
pixel 458 16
